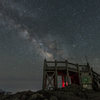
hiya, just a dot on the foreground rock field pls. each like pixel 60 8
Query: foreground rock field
pixel 72 92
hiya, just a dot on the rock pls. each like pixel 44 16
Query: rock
pixel 15 99
pixel 6 97
pixel 33 97
pixel 53 98
pixel 36 96
pixel 47 94
pixel 81 94
pixel 71 92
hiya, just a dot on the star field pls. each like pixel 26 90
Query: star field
pixel 32 30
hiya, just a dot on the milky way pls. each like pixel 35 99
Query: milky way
pixel 32 30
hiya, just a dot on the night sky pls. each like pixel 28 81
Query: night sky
pixel 32 30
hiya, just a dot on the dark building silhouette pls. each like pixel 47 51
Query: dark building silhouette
pixel 71 74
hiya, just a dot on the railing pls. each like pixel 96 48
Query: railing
pixel 72 66
pixel 83 68
pixel 96 76
pixel 64 64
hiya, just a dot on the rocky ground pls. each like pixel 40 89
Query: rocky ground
pixel 72 92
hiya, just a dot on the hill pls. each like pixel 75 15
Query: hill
pixel 72 92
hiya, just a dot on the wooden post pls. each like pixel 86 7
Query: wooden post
pixel 56 74
pixel 79 74
pixel 90 73
pixel 54 81
pixel 44 76
pixel 67 71
pixel 89 68
pixel 92 76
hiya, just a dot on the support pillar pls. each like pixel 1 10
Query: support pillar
pixel 67 71
pixel 92 75
pixel 54 80
pixel 44 76
pixel 45 80
pixel 56 75
pixel 80 83
pixel 89 69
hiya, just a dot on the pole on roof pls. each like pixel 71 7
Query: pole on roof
pixel 86 58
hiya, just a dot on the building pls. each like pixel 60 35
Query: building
pixel 71 74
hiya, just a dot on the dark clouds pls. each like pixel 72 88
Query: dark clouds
pixel 31 30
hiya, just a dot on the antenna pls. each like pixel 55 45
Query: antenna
pixel 86 59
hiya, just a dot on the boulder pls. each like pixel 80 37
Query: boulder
pixel 36 96
pixel 53 98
